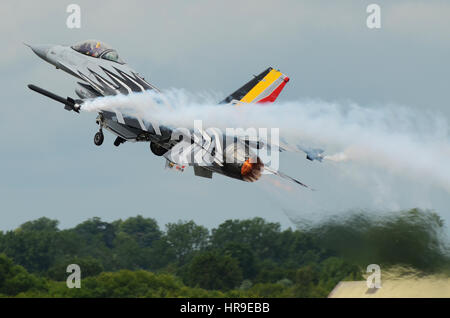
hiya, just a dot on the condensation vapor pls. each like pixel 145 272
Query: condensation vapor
pixel 400 140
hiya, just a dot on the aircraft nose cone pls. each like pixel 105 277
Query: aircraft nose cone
pixel 40 50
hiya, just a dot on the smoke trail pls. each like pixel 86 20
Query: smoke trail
pixel 394 138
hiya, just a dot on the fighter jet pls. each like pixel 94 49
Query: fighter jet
pixel 101 72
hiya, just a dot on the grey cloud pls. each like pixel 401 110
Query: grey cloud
pixel 48 160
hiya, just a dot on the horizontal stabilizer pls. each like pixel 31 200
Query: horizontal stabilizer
pixel 202 172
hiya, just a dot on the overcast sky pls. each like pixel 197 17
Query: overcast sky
pixel 50 167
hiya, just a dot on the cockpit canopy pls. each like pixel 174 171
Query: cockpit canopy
pixel 99 50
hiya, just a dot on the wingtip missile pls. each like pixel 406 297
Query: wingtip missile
pixel 69 103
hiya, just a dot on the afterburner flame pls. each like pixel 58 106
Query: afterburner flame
pixel 251 171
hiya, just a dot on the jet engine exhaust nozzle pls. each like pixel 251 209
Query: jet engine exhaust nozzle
pixel 251 171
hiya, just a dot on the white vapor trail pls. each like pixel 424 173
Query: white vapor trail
pixel 413 144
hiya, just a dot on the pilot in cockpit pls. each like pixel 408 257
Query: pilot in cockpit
pixel 98 50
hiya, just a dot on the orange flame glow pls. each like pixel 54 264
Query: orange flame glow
pixel 251 171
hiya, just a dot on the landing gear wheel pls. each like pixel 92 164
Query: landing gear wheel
pixel 157 149
pixel 98 138
pixel 118 141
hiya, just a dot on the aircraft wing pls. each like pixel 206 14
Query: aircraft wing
pixel 285 176
pixel 311 153
pixel 194 146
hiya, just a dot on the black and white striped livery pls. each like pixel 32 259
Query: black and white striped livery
pixel 101 72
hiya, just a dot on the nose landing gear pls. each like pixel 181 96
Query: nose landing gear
pixel 98 138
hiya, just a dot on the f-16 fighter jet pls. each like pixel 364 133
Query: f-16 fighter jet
pixel 101 72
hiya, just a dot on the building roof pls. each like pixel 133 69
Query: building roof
pixel 429 287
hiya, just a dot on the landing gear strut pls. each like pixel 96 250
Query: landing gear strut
pixel 98 138
pixel 119 141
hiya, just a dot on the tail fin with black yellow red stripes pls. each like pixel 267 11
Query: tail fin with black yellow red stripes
pixel 264 88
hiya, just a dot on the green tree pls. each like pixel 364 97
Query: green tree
pixel 259 235
pixel 244 255
pixel 41 224
pixel 335 269
pixel 144 230
pixel 271 290
pixel 35 250
pixel 185 238
pixel 210 270
pixel 96 231
pixel 306 279
pixel 89 267
pixel 127 253
pixel 412 238
pixel 125 283
pixel 271 272
pixel 14 279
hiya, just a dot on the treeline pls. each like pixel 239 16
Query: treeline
pixel 239 258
